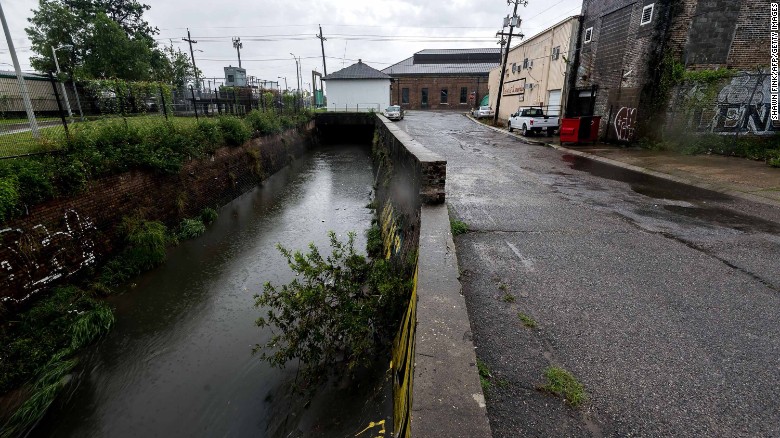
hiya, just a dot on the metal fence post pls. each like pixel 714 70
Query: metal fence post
pixel 194 105
pixel 78 99
pixel 59 105
pixel 164 104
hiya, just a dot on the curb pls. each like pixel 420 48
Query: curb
pixel 504 131
pixel 713 187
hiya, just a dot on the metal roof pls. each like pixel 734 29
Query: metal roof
pixel 447 62
pixel 25 74
pixel 357 71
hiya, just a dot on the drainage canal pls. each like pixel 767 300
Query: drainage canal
pixel 179 362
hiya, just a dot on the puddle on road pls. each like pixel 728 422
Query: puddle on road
pixel 643 184
pixel 727 218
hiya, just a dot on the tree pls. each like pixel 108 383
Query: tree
pixel 109 53
pixel 110 38
pixel 177 68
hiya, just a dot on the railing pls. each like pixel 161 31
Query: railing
pixel 355 107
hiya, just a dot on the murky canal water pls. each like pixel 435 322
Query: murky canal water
pixel 178 362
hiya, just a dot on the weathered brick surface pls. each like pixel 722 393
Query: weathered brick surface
pixel 434 84
pixel 61 237
pixel 703 34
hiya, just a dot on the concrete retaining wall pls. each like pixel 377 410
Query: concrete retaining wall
pixel 61 237
pixel 436 384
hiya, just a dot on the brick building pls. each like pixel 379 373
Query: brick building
pixel 625 45
pixel 442 79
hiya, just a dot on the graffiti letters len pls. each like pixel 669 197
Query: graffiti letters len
pixel 743 105
pixel 32 259
pixel 625 124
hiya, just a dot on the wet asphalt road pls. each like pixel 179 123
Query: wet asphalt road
pixel 663 300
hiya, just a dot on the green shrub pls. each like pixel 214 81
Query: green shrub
pixel 374 241
pixel 234 130
pixel 9 197
pixel 38 347
pixel 335 315
pixel 265 122
pixel 146 249
pixel 190 229
pixel 208 215
pixel 209 135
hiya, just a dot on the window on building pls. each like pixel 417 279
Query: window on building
pixel 444 96
pixel 588 34
pixel 424 97
pixel 525 63
pixel 556 52
pixel 464 94
pixel 647 14
pixel 404 95
pixel 231 78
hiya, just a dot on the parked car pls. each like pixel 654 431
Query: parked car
pixel 394 112
pixel 532 120
pixel 483 111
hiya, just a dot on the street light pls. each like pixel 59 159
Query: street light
pixel 285 81
pixel 57 64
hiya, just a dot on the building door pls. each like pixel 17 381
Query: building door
pixel 553 103
pixel 424 98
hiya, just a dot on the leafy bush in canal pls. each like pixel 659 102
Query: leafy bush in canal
pixel 335 315
pixel 146 247
pixel 190 229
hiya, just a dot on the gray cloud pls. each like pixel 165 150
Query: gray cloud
pixel 349 25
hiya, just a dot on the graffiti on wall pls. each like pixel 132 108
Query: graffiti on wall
pixel 742 105
pixel 32 259
pixel 625 123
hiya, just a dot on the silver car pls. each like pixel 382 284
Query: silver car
pixel 483 111
pixel 394 112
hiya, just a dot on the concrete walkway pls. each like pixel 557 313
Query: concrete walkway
pixel 663 300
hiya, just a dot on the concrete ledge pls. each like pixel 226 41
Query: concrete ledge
pixel 447 395
pixel 428 168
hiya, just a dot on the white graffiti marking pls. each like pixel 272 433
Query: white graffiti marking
pixel 31 261
pixel 625 123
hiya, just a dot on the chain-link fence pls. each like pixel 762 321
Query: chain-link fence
pixel 57 108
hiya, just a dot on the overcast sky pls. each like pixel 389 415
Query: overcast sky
pixel 379 32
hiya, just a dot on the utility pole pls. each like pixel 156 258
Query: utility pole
pixel 322 45
pixel 192 54
pixel 513 21
pixel 238 46
pixel 62 85
pixel 25 95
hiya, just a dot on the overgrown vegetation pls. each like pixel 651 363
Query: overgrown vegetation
pixel 190 228
pixel 146 244
pixel 109 146
pixel 39 346
pixel 458 227
pixel 484 374
pixel 527 320
pixel 563 384
pixel 508 298
pixel 336 316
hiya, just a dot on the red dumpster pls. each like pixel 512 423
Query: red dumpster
pixel 580 129
pixel 570 130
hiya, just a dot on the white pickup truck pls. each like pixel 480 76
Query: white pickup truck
pixel 532 120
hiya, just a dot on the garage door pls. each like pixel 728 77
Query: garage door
pixel 554 103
